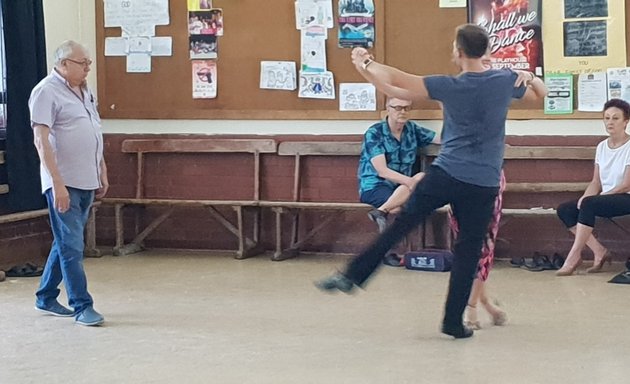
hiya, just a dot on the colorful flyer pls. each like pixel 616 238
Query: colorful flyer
pixel 559 99
pixel 356 23
pixel 198 5
pixel 204 79
pixel 515 32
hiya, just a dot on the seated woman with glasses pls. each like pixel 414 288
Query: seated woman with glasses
pixel 607 195
pixel 388 154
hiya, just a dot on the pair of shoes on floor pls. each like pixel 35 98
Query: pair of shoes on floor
pixel 89 317
pixel 335 282
pixel 393 260
pixel 380 218
pixel 539 262
pixel 459 332
pixel 25 270
pixel 55 309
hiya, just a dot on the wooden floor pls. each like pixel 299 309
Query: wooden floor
pixel 194 317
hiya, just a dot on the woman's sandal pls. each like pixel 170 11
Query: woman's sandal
pixel 471 321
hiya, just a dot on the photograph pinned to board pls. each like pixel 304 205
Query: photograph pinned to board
pixel 619 83
pixel 203 47
pixel 559 99
pixel 313 13
pixel 279 75
pixel 313 53
pixel 317 85
pixel 204 79
pixel 357 97
pixel 580 9
pixel 356 23
pixel 208 22
pixel 198 5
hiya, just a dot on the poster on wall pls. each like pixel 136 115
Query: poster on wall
pixel 356 23
pixel 357 97
pixel 515 32
pixel 559 99
pixel 619 83
pixel 204 79
pixel 584 36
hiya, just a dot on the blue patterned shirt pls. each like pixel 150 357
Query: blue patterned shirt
pixel 399 155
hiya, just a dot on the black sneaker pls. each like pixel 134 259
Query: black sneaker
pixel 458 332
pixel 380 218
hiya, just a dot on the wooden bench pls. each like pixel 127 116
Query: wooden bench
pixel 142 147
pixel 90 229
pixel 299 150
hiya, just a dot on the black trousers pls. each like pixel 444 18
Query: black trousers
pixel 472 206
pixel 614 205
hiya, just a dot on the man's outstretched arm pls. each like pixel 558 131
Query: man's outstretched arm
pixel 389 80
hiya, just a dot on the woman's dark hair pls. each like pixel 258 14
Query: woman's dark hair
pixel 621 104
pixel 472 39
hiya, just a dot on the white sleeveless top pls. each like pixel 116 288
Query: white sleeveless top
pixel 612 164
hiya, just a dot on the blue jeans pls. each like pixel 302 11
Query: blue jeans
pixel 65 261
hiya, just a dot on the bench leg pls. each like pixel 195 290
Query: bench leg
pixel 294 249
pixel 247 247
pixel 90 236
pixel 136 243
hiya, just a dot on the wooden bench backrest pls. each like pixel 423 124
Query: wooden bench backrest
pixel 315 148
pixel 320 148
pixel 142 146
pixel 534 152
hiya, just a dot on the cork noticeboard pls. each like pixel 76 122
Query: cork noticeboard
pixel 412 35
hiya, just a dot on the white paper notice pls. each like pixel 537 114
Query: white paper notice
pixel 452 3
pixel 619 83
pixel 278 75
pixel 136 17
pixel 313 53
pixel 317 85
pixel 116 46
pixel 139 62
pixel 162 46
pixel 592 92
pixel 357 97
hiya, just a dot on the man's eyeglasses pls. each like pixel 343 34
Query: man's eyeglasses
pixel 85 63
pixel 399 108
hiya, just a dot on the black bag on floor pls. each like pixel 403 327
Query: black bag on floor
pixel 432 260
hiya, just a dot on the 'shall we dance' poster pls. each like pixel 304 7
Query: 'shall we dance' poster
pixel 515 32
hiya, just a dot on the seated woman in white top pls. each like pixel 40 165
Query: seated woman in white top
pixel 608 194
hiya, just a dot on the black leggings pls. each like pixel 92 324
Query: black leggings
pixel 614 205
pixel 472 207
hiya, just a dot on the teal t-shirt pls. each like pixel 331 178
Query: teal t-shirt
pixel 399 155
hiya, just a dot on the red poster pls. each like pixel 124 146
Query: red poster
pixel 515 31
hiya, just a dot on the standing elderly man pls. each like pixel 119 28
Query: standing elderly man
pixel 388 154
pixel 467 171
pixel 68 138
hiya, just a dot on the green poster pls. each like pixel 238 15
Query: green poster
pixel 559 100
